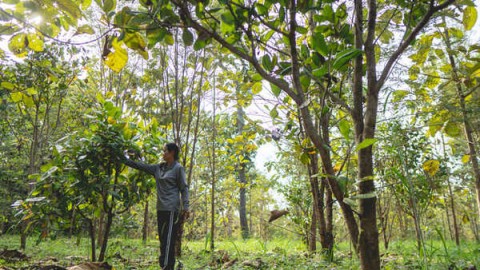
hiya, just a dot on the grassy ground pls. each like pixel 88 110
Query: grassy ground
pixel 251 254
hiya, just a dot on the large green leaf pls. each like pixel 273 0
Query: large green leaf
pixel 317 40
pixel 35 42
pixel 109 5
pixel 452 129
pixel 187 37
pixel 18 44
pixel 275 90
pixel 345 56
pixel 261 9
pixel 228 18
pixel 70 7
pixel 84 29
pixel 267 63
pixel 469 17
pixel 155 35
pixel 256 88
pixel 366 143
pixel 117 59
pixel 7 85
pixel 344 127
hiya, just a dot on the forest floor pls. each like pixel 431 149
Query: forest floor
pixel 232 254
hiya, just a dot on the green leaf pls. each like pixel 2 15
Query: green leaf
pixel 155 35
pixel 16 96
pixel 399 95
pixel 257 77
pixel 302 30
pixel 344 127
pixel 275 90
pixel 70 7
pixel 267 63
pixel 386 36
pixel 187 37
pixel 84 29
pixel 452 129
pixel 257 88
pixel 274 112
pixel 317 40
pixel 122 18
pixel 35 42
pixel 109 5
pixel 469 17
pixel 345 56
pixel 366 143
pixel 18 44
pixel 261 9
pixel 134 41
pixel 320 72
pixel 169 40
pixel 329 13
pixel 305 82
pixel 199 44
pixel 431 166
pixel 304 158
pixel 117 59
pixel 7 85
pixel 228 18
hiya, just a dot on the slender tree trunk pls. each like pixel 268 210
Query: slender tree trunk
pixel 243 204
pixel 312 240
pixel 454 215
pixel 447 215
pixel 365 129
pixel 212 225
pixel 468 130
pixel 72 222
pixel 145 223
pixel 242 178
pixel 108 226
pixel 101 227
pixel 92 239
pixel 314 190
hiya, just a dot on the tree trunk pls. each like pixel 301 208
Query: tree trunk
pixel 243 204
pixel 108 226
pixel 454 215
pixel 466 122
pixel 23 235
pixel 101 227
pixel 312 240
pixel 92 239
pixel 212 209
pixel 242 178
pixel 447 215
pixel 314 190
pixel 145 223
pixel 365 129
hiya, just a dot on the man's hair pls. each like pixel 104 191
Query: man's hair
pixel 173 147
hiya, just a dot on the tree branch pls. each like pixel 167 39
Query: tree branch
pixel 404 45
pixel 282 84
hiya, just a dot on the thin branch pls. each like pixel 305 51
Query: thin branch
pixel 283 85
pixel 404 45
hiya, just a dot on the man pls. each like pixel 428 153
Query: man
pixel 172 199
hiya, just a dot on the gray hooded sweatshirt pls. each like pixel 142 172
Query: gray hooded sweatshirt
pixel 172 189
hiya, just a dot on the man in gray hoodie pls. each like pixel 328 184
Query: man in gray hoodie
pixel 172 199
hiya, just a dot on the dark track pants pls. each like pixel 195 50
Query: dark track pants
pixel 168 223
